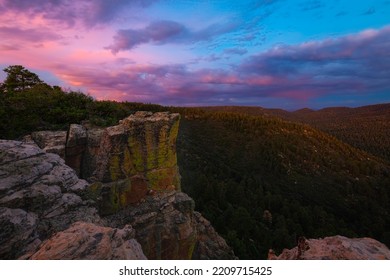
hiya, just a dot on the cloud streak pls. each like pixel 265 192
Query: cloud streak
pixel 164 32
pixel 69 12
pixel 28 34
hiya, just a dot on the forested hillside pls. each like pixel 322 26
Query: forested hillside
pixel 264 182
pixel 366 128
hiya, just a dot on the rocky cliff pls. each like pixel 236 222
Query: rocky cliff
pixel 129 197
pixel 122 162
pixel 335 248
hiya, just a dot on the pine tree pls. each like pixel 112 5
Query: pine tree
pixel 18 79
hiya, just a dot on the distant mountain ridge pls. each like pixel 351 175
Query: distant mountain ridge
pixel 365 127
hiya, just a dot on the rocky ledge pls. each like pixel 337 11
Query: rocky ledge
pixel 127 206
pixel 335 248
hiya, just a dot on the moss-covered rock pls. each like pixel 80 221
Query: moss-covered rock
pixel 140 144
pixel 139 151
pixel 114 196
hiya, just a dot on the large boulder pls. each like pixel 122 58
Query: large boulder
pixel 90 242
pixel 335 248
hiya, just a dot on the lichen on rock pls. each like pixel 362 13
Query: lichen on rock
pixel 140 147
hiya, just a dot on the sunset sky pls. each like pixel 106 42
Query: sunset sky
pixel 270 53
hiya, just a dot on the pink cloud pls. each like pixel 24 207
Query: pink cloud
pixel 70 13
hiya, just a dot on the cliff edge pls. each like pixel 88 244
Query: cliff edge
pixel 93 193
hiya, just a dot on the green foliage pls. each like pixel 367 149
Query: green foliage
pixel 40 107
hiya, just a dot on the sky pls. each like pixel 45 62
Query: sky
pixel 270 53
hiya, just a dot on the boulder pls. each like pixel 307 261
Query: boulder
pixel 335 248
pixel 86 241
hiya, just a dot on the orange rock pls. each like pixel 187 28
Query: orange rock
pixel 336 248
pixel 91 242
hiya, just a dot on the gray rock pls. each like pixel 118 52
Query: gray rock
pixel 51 141
pixel 17 231
pixel 41 188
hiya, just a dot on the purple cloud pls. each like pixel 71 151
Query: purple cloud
pixel 356 63
pixel 31 35
pixel 164 32
pixel 237 51
pixel 89 12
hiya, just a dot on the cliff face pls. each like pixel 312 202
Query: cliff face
pixel 133 158
pixel 130 197
pixel 335 248
pixel 123 162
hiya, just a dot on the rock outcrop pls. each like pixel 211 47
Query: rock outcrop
pixel 125 161
pixel 90 242
pixel 39 195
pixel 51 141
pixel 130 193
pixel 335 248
